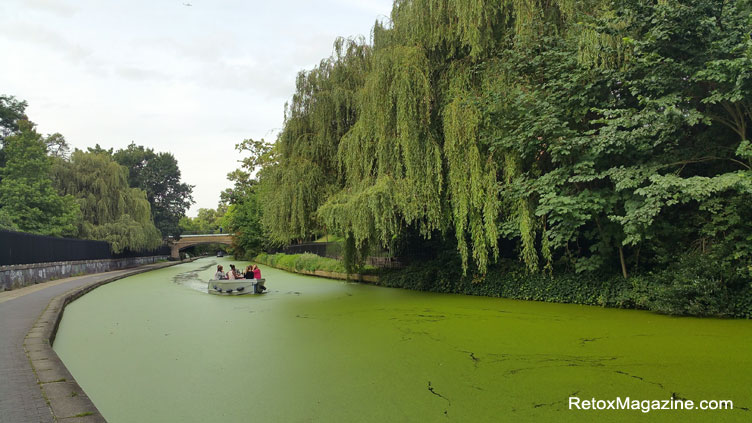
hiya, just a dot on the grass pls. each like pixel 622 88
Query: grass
pixel 309 262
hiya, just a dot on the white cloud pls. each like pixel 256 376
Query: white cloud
pixel 58 7
pixel 190 80
pixel 50 40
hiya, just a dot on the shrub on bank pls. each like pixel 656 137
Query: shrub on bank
pixel 510 280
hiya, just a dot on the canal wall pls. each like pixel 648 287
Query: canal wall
pixel 355 277
pixel 21 275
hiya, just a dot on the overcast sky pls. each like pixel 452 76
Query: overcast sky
pixel 193 80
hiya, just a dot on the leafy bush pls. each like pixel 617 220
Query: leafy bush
pixel 743 302
pixel 509 279
pixel 692 286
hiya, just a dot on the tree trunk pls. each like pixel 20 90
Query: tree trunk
pixel 623 263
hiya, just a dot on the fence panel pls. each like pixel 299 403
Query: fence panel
pixel 24 248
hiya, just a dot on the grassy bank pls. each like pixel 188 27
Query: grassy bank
pixel 308 262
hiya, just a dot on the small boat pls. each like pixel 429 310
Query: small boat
pixel 236 286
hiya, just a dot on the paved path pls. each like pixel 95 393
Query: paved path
pixel 21 398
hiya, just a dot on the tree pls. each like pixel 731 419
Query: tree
pixel 12 112
pixel 57 146
pixel 28 201
pixel 207 221
pixel 588 136
pixel 112 210
pixel 158 175
pixel 243 219
pixel 304 170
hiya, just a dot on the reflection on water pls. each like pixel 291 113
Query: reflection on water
pixel 156 347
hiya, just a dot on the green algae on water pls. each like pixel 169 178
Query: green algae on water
pixel 156 347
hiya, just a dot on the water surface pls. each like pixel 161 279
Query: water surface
pixel 157 348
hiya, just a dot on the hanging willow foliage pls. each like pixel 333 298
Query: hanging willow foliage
pixel 476 28
pixel 391 145
pixel 112 211
pixel 291 190
pixel 472 180
pixel 451 28
pixel 322 110
pixel 418 124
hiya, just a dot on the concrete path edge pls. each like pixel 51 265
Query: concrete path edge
pixel 68 402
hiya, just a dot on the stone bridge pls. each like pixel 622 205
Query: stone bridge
pixel 186 241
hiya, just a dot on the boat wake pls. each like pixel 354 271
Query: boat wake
pixel 191 278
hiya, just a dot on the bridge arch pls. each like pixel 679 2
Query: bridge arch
pixel 186 241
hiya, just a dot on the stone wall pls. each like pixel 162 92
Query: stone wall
pixel 21 275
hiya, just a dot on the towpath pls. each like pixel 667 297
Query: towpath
pixel 21 399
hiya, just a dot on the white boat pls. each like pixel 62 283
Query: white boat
pixel 236 286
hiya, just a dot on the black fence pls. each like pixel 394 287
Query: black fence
pixel 23 248
pixel 323 249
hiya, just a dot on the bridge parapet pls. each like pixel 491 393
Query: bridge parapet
pixel 186 241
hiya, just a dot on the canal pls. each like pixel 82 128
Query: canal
pixel 156 348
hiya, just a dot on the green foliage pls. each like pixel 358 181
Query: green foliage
pixel 472 173
pixel 301 171
pixel 583 137
pixel 391 161
pixel 297 262
pixel 28 201
pixel 509 279
pixel 112 210
pixel 158 175
pixel 692 286
pixel 244 220
pixel 207 221
pixel 12 112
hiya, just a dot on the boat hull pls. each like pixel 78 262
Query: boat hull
pixel 236 287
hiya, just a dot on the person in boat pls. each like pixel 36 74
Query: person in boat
pixel 249 272
pixel 236 274
pixel 256 272
pixel 220 274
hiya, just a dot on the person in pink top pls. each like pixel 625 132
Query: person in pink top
pixel 256 272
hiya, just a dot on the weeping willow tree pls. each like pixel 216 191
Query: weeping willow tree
pixel 305 170
pixel 391 159
pixel 471 171
pixel 540 122
pixel 379 140
pixel 112 211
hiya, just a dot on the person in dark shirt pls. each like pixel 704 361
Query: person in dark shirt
pixel 249 272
